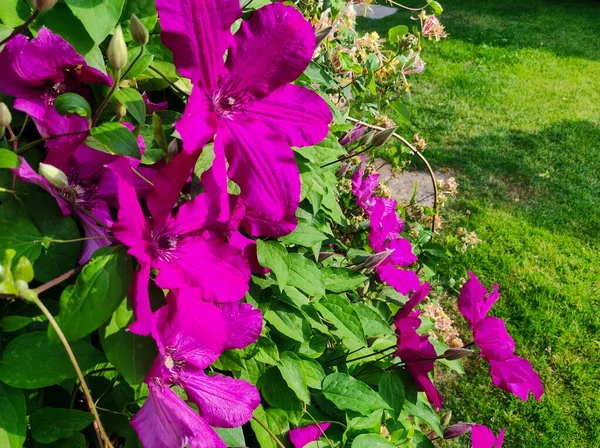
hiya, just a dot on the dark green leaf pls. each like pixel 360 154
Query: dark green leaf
pixel 372 322
pixel 8 159
pixel 131 354
pixel 50 424
pixel 71 103
pixel 233 437
pixel 277 393
pixel 305 275
pixel 133 102
pixel 415 405
pixel 348 393
pixel 20 234
pixel 341 279
pixel 266 351
pixel 31 361
pixel 97 293
pixel 13 417
pixel 114 138
pixel 273 255
pixel 293 373
pixel 77 440
pixel 305 235
pixel 288 321
pixel 314 373
pixel 391 390
pixel 371 441
pixel 401 110
pixel 420 440
pixel 339 311
pixel 313 348
pixel 98 17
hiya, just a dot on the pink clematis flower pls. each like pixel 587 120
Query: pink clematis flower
pixel 37 71
pixel 414 349
pixel 508 371
pixel 154 107
pixel 483 437
pixel 186 247
pixel 191 335
pixel 301 437
pixel 247 101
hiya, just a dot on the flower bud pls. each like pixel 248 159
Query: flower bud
pixel 172 149
pixel 24 270
pixel 5 118
pixel 374 260
pixel 121 111
pixel 138 31
pixel 117 50
pixel 457 430
pixel 453 354
pixel 366 139
pixel 53 175
pixel 351 136
pixel 43 5
pixel 382 137
pixel 325 255
pixel 22 287
pixel 321 35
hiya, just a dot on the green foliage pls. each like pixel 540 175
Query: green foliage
pixel 114 138
pixel 13 417
pixel 72 103
pixel 348 393
pixel 51 424
pixel 133 102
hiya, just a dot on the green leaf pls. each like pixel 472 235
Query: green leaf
pixel 313 348
pixel 293 373
pixel 145 10
pixel 50 424
pixel 273 255
pixel 20 234
pixel 314 373
pixel 13 417
pixel 401 110
pixel 339 311
pixel 391 390
pixel 435 7
pixel 141 64
pixel 275 420
pixel 420 440
pixel 415 405
pixel 130 353
pixel 305 275
pixel 341 279
pixel 97 293
pixel 233 437
pixel 8 159
pixel 14 12
pixel 398 32
pixel 326 151
pixel 133 102
pixel 348 393
pixel 267 351
pixel 304 235
pixel 357 424
pixel 373 324
pixel 98 17
pixel 371 441
pixel 288 321
pixel 277 393
pixel 71 103
pixel 31 361
pixel 77 440
pixel 114 138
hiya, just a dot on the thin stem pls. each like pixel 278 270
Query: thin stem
pixel 163 76
pixel 57 280
pixel 132 64
pixel 372 354
pixel 23 127
pixel 113 89
pixel 343 356
pixel 22 149
pixel 21 28
pixel 75 240
pixel 348 156
pixel 142 177
pixel 88 397
pixel 406 7
pixel 416 152
pixel 319 426
pixel 271 433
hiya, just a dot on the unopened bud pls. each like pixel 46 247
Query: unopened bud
pixel 457 430
pixel 453 354
pixel 121 111
pixel 366 139
pixel 351 136
pixel 117 50
pixel 5 118
pixel 325 255
pixel 138 31
pixel 172 149
pixel 22 287
pixel 53 175
pixel 43 5
pixel 382 137
pixel 373 261
pixel 321 35
pixel 24 270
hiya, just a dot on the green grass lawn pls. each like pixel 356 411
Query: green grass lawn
pixel 510 103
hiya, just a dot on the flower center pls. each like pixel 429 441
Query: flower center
pixel 86 190
pixel 53 91
pixel 164 245
pixel 229 100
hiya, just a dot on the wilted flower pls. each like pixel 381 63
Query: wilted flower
pixel 433 28
pixel 419 143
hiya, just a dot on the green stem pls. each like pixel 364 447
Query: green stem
pixel 21 28
pixel 132 64
pixel 46 286
pixel 113 89
pixel 75 240
pixel 271 433
pixel 163 76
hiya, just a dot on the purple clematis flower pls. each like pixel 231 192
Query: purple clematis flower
pixel 301 437
pixel 414 349
pixel 508 371
pixel 191 334
pixel 154 107
pixel 483 437
pixel 247 101
pixel 91 183
pixel 187 247
pixel 352 135
pixel 37 71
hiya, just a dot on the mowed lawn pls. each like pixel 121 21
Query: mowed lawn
pixel 510 104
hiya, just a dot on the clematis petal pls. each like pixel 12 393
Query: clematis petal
pixel 483 437
pixel 270 49
pixel 474 301
pixel 140 300
pixel 199 213
pixel 263 165
pixel 165 420
pixel 198 124
pixel 10 81
pixel 223 402
pixel 404 281
pixel 303 436
pixel 198 32
pixel 248 248
pixel 491 337
pixel 99 236
pixel 403 252
pixel 154 107
pixel 217 271
pixel 517 377
pixel 417 297
pixel 244 324
pixel 299 114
